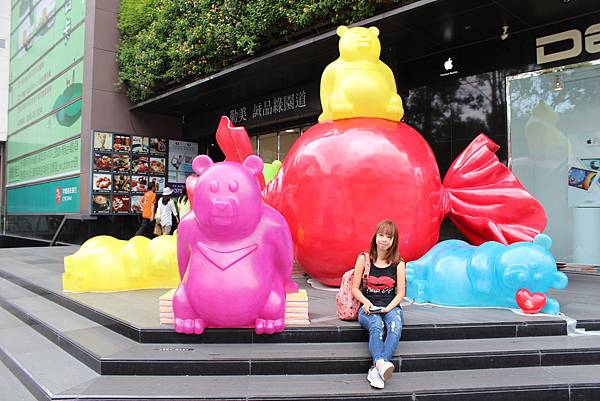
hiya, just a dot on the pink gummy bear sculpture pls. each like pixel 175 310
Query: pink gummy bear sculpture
pixel 235 253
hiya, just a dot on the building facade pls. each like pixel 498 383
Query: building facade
pixel 4 59
pixel 62 89
pixel 525 75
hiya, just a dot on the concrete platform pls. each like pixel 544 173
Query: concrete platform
pixel 44 267
pixel 135 313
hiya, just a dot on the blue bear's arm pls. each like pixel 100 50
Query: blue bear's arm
pixel 421 272
pixel 439 250
pixel 481 267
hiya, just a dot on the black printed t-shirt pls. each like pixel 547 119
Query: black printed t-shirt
pixel 381 284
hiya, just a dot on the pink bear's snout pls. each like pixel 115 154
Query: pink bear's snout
pixel 223 211
pixel 222 207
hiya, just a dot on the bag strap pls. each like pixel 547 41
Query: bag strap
pixel 367 269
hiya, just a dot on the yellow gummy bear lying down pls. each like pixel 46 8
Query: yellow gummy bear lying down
pixel 105 263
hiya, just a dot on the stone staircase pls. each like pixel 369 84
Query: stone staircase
pixel 55 348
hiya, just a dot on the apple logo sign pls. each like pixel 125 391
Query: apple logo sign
pixel 448 64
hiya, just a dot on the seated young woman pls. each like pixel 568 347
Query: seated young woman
pixel 384 289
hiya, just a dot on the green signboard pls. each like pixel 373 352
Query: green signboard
pixel 46 69
pixel 40 135
pixel 60 196
pixel 64 90
pixel 47 25
pixel 45 76
pixel 62 159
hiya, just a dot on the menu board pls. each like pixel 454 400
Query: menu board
pixel 122 168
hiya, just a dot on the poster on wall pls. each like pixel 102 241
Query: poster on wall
pixel 122 143
pixel 181 155
pixel 158 146
pixel 139 183
pixel 121 204
pixel 136 204
pixel 102 162
pixel 122 183
pixel 140 164
pixel 101 204
pixel 102 141
pixel 120 163
pixel 159 183
pixel 101 182
pixel 123 166
pixel 584 170
pixel 157 165
pixel 140 144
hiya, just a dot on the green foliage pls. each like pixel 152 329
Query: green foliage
pixel 135 15
pixel 168 42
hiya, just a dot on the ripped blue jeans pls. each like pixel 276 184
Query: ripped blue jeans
pixel 379 347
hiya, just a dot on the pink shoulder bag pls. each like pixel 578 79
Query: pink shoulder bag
pixel 346 305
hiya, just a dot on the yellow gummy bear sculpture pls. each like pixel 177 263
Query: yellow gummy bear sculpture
pixel 358 84
pixel 105 264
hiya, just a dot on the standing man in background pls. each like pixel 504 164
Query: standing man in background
pixel 148 201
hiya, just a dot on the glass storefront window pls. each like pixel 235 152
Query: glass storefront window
pixel 286 140
pixel 554 134
pixel 276 145
pixel 267 147
pixel 451 114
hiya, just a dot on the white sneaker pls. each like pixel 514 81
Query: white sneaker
pixel 374 378
pixel 386 370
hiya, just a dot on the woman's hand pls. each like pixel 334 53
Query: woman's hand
pixel 387 309
pixel 366 307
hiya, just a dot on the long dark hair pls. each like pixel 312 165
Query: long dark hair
pixel 391 255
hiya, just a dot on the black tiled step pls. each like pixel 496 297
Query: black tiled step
pixel 52 375
pixel 356 334
pixel 590 325
pixel 312 334
pixel 109 353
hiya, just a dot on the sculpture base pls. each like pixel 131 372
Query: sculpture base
pixel 296 310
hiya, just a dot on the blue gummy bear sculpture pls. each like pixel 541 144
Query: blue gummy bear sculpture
pixel 455 273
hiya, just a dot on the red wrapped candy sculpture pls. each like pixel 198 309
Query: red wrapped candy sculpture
pixel 360 165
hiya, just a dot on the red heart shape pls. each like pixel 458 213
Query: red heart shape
pixel 530 303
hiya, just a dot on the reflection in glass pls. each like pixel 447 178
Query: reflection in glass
pixel 451 115
pixel 268 147
pixel 286 140
pixel 554 124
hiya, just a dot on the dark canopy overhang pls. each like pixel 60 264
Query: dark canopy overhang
pixel 411 32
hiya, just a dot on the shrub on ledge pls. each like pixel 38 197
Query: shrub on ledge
pixel 165 43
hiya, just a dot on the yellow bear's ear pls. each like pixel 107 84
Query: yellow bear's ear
pixel 342 29
pixel 374 30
